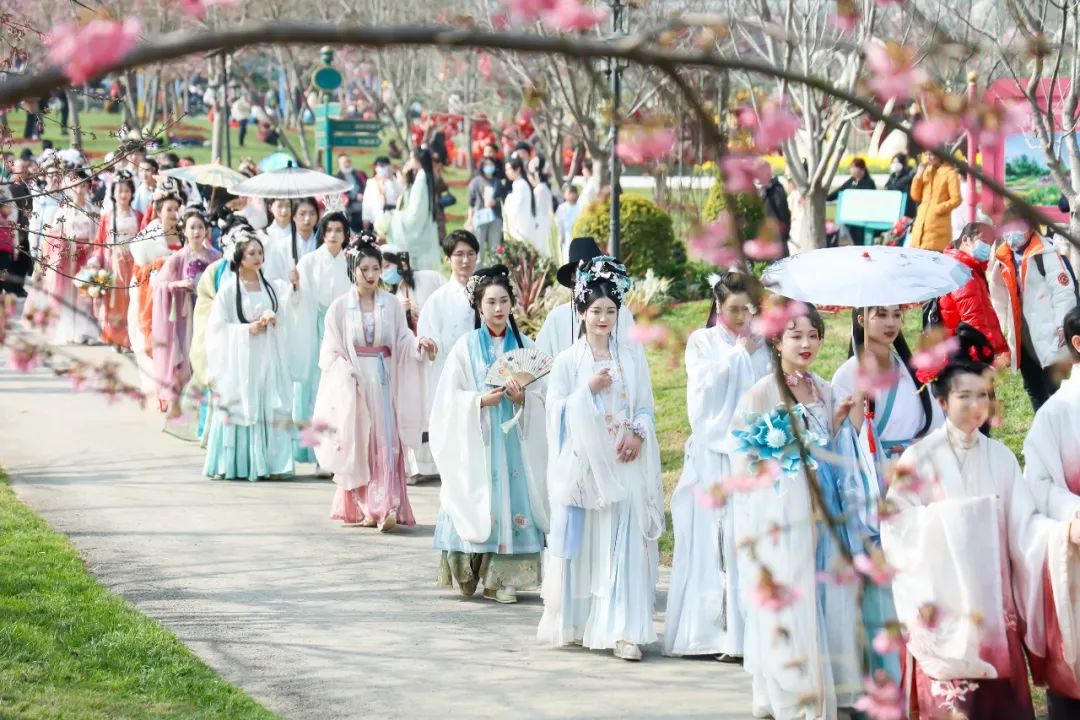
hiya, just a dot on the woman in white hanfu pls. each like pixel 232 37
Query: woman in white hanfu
pixel 723 360
pixel 786 550
pixel 1052 454
pixel 891 411
pixel 252 360
pixel 981 574
pixel 604 483
pixel 70 249
pixel 322 277
pixel 370 397
pixel 490 448
pixel 412 225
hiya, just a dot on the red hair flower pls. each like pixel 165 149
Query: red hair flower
pixel 926 375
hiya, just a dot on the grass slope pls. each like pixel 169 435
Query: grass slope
pixel 69 648
pixel 669 388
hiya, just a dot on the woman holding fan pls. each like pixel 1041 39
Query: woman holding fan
pixel 369 396
pixel 604 480
pixel 491 454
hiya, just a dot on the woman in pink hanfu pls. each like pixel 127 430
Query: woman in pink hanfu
pixel 173 291
pixel 369 397
pixel 981 574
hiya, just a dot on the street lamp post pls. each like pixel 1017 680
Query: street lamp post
pixel 614 72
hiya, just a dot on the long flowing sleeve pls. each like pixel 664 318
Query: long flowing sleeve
pixel 339 404
pixel 459 443
pixel 204 302
pixel 652 509
pixel 716 376
pixel 409 376
pixel 1047 450
pixel 413 228
pixel 228 357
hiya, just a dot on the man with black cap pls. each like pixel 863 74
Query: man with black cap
pixel 562 324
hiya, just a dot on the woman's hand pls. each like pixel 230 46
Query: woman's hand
pixel 185 284
pixel 492 397
pixel 515 391
pixel 294 278
pixel 258 327
pixel 427 345
pixel 843 410
pixel 600 381
pixel 408 305
pixel 629 447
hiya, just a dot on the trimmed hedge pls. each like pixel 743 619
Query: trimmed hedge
pixel 647 239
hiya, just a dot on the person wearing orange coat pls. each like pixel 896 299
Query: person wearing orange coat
pixel 936 187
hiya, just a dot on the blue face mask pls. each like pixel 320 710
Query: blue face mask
pixel 489 170
pixel 981 252
pixel 1016 240
pixel 391 276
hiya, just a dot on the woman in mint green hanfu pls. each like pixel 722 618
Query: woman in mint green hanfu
pixel 892 418
pixel 322 277
pixel 489 445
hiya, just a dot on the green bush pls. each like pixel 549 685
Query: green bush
pixel 647 239
pixel 749 211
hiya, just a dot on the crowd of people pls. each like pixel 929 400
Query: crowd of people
pixel 297 333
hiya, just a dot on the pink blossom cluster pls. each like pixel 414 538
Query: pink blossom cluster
pixel 562 15
pixel 84 52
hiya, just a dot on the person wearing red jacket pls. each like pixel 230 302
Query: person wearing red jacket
pixel 971 303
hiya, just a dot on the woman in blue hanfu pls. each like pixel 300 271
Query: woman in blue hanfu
pixel 800 642
pixel 891 412
pixel 322 277
pixel 604 480
pixel 489 446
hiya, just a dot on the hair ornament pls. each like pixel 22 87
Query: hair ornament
pixel 603 267
pixel 474 282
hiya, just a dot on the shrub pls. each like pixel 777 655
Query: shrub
pixel 647 239
pixel 749 210
pixel 530 274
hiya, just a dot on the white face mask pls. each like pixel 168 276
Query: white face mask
pixel 896 167
pixel 382 171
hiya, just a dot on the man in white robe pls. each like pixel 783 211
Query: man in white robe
pixel 560 328
pixel 446 316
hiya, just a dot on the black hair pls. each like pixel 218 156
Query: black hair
pixel 943 383
pixel 816 322
pixel 307 201
pixel 405 271
pixel 858 342
pixel 901 158
pixel 188 213
pixel 160 201
pixel 518 166
pixel 122 178
pixel 1071 327
pixel 234 265
pixel 382 160
pixel 970 232
pixel 357 252
pixel 173 158
pixel 423 156
pixel 487 277
pixel 593 291
pixel 331 217
pixel 450 242
pixel 730 283
pixel 152 163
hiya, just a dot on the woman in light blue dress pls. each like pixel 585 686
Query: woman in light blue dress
pixel 489 446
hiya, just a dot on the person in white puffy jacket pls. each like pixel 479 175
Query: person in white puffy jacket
pixel 1032 288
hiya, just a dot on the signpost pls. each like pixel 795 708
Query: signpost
pixel 331 132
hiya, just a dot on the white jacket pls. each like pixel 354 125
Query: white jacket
pixel 1044 298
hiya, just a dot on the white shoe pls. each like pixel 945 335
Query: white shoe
pixel 504 595
pixel 627 651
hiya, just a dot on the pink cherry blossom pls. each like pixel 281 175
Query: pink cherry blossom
pixel 869 378
pixel 527 11
pixel 888 640
pixel 846 22
pixel 740 172
pixel 893 71
pixel 874 567
pixel 649 333
pixel 24 357
pixel 773 124
pixel 937 130
pixel 712 243
pixel 568 15
pixel 883 699
pixel 198 8
pixel 758 249
pixel 844 575
pixel 774 320
pixel 773 596
pixel 87 51
pixel 930 362
pixel 644 144
pixel 312 434
pixel 765 477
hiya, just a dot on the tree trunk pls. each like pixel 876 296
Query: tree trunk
pixel 218 130
pixel 152 98
pixel 74 131
pixel 815 216
pixel 1070 250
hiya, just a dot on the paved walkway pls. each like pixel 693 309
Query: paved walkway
pixel 312 619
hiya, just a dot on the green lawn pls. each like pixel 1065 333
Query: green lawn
pixel 70 649
pixel 669 387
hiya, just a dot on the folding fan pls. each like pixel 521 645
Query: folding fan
pixel 525 365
